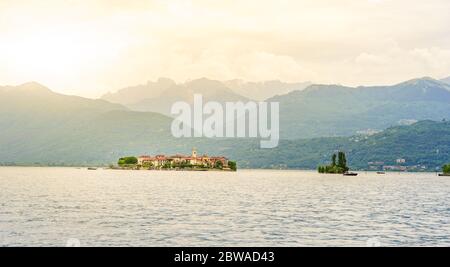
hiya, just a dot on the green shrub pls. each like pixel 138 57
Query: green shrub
pixel 446 169
pixel 128 161
pixel 232 165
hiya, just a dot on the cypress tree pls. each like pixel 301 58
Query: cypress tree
pixel 333 160
pixel 342 163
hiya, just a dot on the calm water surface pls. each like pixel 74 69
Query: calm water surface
pixel 49 206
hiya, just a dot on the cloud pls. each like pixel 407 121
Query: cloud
pixel 396 64
pixel 89 47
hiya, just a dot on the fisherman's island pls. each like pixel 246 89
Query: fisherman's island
pixel 178 162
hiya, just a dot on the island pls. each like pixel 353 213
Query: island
pixel 178 162
pixel 338 165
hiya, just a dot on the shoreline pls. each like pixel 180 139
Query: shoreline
pixel 169 170
pixel 226 171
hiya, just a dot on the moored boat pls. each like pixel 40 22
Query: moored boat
pixel 444 174
pixel 350 174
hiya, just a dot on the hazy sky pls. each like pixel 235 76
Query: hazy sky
pixel 90 47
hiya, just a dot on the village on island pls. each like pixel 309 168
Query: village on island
pixel 192 162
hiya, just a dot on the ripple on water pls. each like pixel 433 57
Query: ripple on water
pixel 49 206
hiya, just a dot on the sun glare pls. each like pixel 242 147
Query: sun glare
pixel 50 51
pixel 51 55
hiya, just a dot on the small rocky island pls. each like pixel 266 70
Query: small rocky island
pixel 177 162
pixel 338 165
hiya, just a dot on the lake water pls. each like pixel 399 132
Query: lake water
pixel 59 206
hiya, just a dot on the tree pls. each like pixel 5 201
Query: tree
pixel 185 164
pixel 147 165
pixel 219 164
pixel 232 165
pixel 446 169
pixel 321 169
pixel 333 159
pixel 342 161
pixel 128 161
pixel 167 165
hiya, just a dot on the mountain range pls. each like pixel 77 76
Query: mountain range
pixel 314 111
pixel 335 110
pixel 134 94
pixel 40 126
pixel 423 145
pixel 261 91
pixel 161 95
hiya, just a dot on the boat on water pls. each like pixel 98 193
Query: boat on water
pixel 444 174
pixel 350 174
pixel 381 173
pixel 92 169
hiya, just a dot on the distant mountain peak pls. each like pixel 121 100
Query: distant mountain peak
pixel 204 82
pixel 33 86
pixel 422 81
pixel 427 78
pixel 164 81
pixel 325 87
pixel 446 80
pixel 133 94
pixel 29 87
pixel 424 84
pixel 319 86
pixel 264 90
